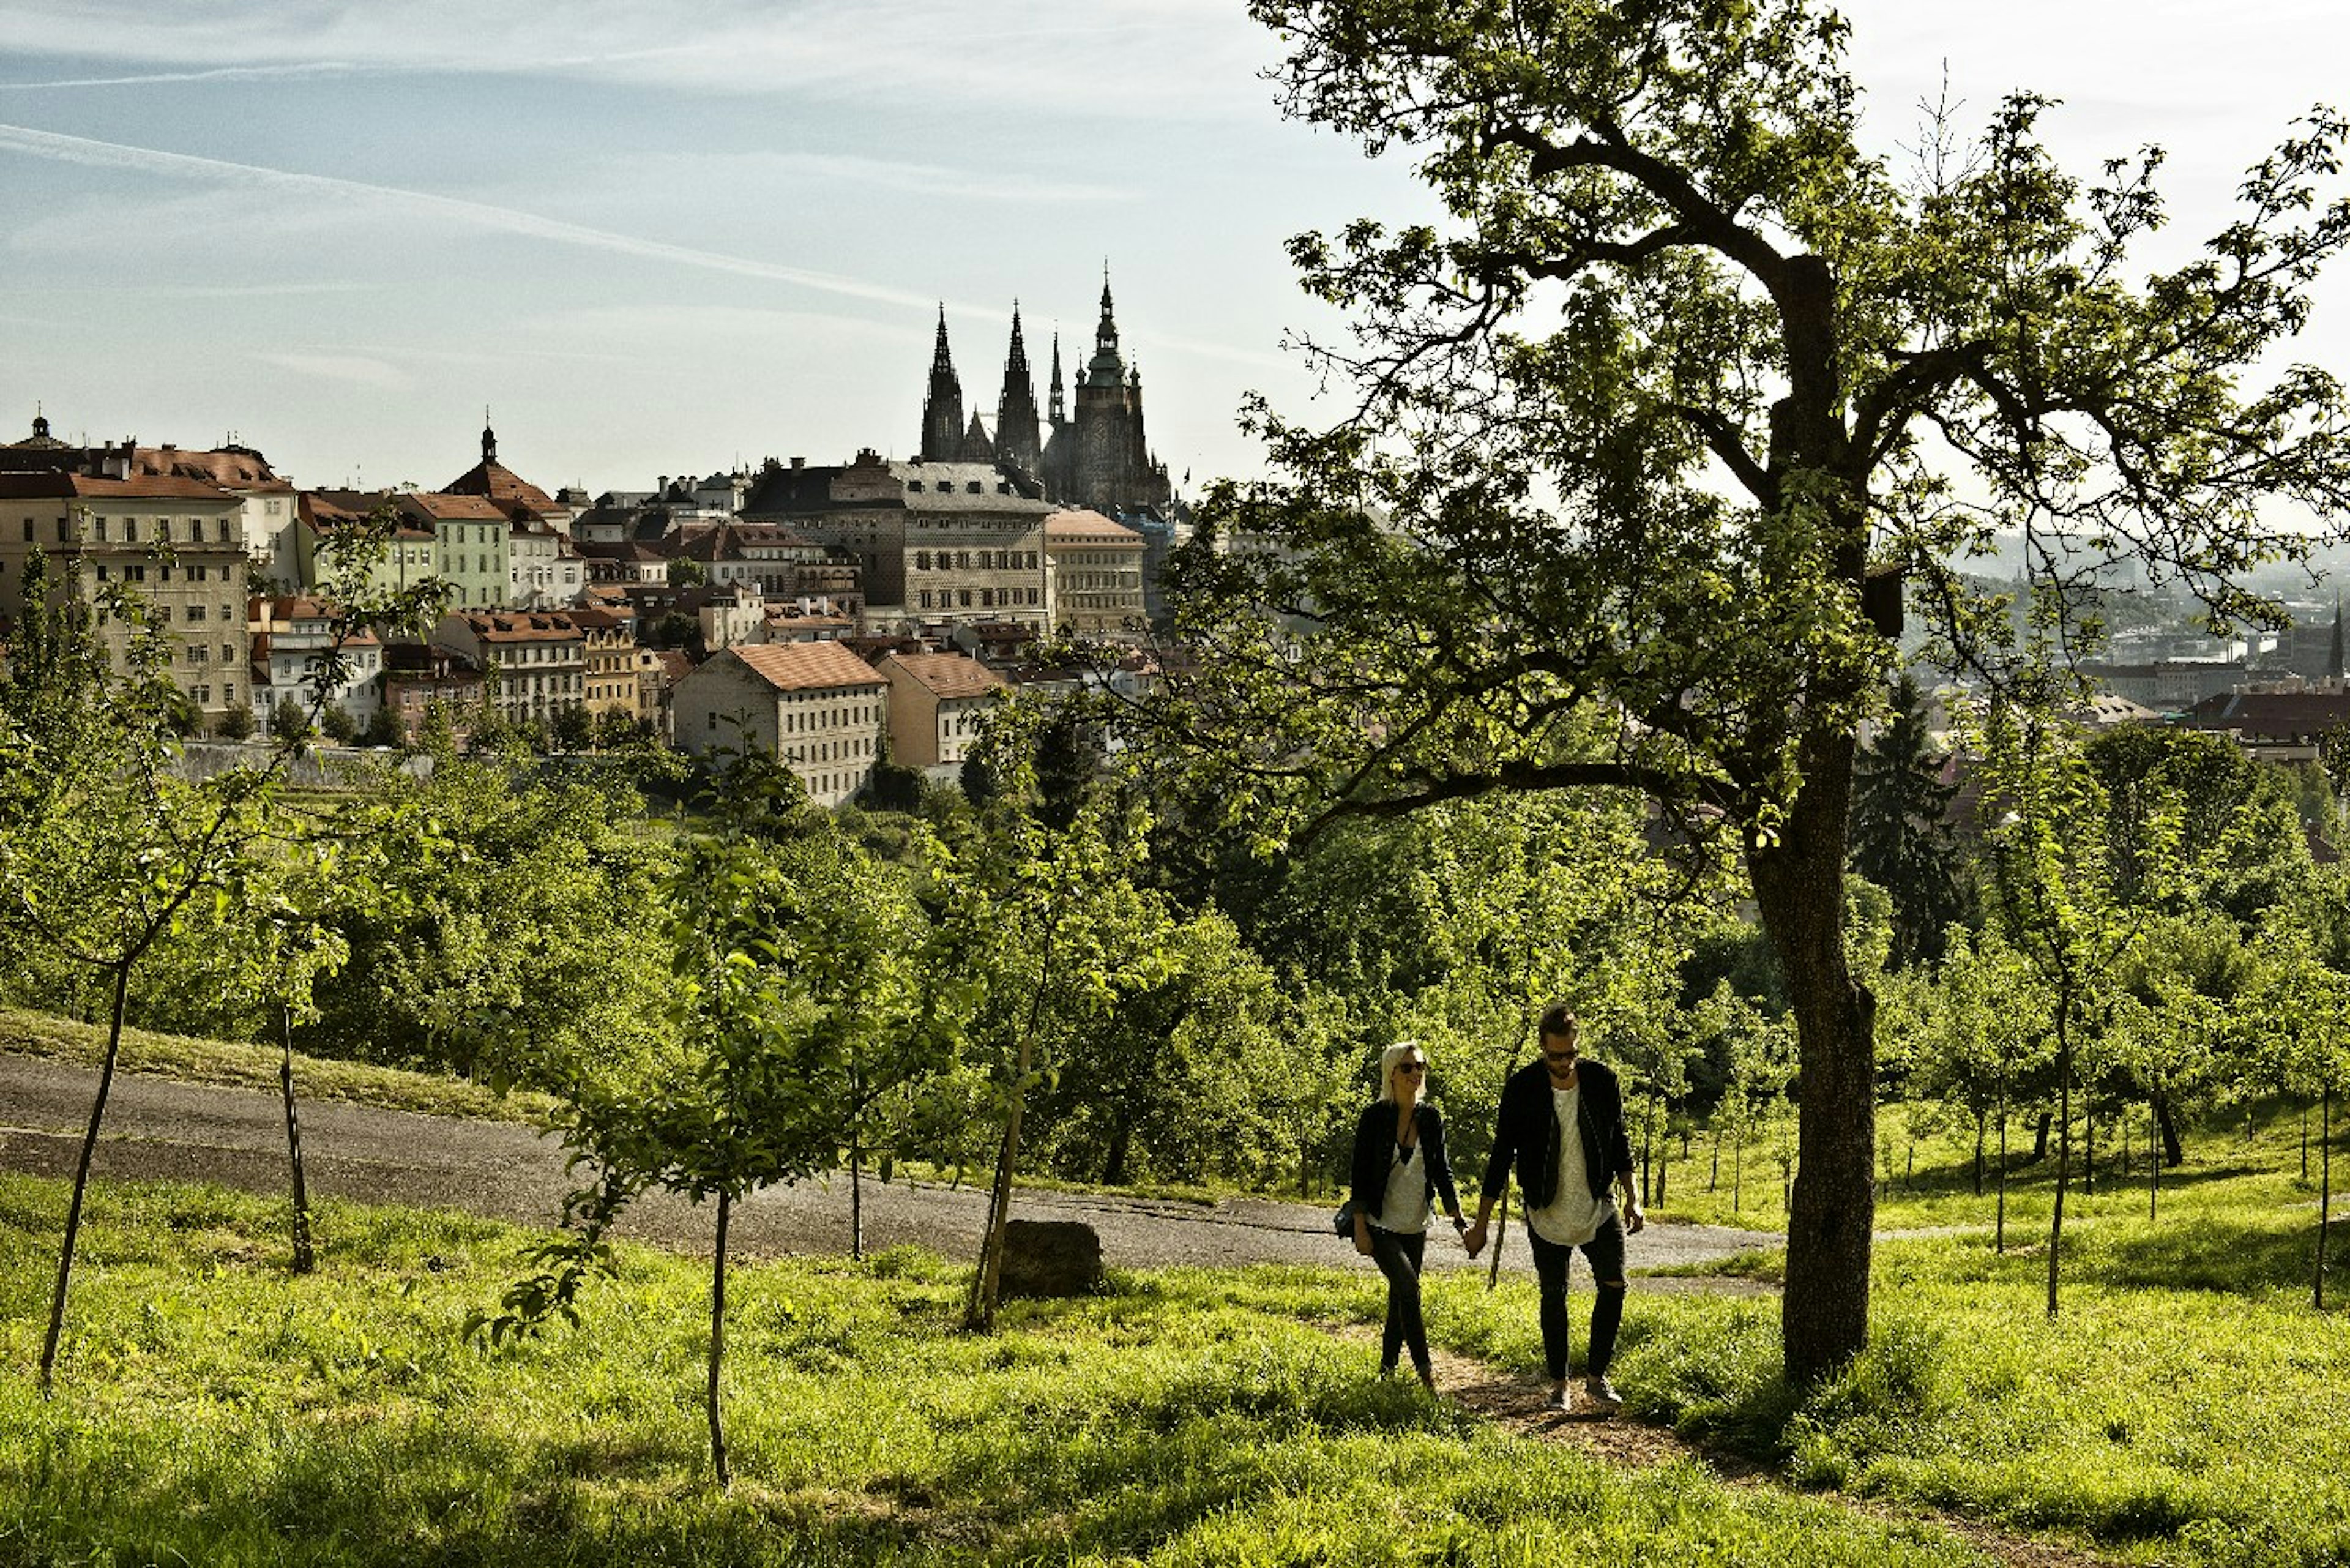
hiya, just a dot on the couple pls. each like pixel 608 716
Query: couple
pixel 1400 1162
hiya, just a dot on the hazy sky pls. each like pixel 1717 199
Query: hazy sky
pixel 659 237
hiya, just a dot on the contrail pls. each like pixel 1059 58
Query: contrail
pixel 114 155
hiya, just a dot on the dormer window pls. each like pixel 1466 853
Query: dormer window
pixel 973 487
pixel 913 485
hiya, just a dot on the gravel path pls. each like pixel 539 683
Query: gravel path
pixel 162 1127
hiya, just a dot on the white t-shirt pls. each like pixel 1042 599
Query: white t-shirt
pixel 1572 1216
pixel 1404 1208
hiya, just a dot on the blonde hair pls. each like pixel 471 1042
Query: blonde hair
pixel 1390 1059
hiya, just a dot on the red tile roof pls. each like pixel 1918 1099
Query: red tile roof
pixel 32 486
pixel 805 666
pixel 497 483
pixel 947 675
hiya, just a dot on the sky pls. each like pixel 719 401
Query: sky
pixel 672 236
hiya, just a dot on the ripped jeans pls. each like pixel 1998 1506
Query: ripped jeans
pixel 1605 1252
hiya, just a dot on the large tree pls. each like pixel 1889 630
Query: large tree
pixel 1648 419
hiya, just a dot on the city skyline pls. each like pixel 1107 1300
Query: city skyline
pixel 656 239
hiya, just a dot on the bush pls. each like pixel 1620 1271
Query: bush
pixel 237 724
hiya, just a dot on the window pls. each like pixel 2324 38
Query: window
pixel 228 653
pixel 195 612
pixel 29 530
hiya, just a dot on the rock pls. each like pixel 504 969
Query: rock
pixel 1051 1258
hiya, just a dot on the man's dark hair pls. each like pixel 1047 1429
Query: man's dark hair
pixel 1558 1019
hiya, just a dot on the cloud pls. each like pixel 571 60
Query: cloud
pixel 323 193
pixel 352 369
pixel 1186 58
pixel 733 170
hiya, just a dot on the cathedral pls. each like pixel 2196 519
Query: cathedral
pixel 1097 458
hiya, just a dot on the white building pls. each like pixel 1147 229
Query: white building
pixel 816 707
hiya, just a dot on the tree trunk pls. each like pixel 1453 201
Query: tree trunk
pixel 2064 1148
pixel 2088 1143
pixel 2325 1193
pixel 1121 1143
pixel 2040 1138
pixel 1979 1152
pixel 2152 1159
pixel 855 1199
pixel 1713 1178
pixel 2174 1151
pixel 1799 890
pixel 1501 1233
pixel 81 1173
pixel 718 1343
pixel 988 1282
pixel 1999 1233
pixel 304 1259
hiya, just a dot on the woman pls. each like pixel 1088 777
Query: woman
pixel 1400 1162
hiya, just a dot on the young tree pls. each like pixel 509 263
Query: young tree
pixel 106 848
pixel 1657 414
pixel 2057 903
pixel 790 974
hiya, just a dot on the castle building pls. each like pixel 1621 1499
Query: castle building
pixel 1094 456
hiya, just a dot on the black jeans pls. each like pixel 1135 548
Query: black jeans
pixel 1398 1254
pixel 1605 1254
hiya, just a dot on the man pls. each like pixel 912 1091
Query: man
pixel 1567 1202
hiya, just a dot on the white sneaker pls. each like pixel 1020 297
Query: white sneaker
pixel 1603 1396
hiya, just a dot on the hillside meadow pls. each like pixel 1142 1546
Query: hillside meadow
pixel 2187 1406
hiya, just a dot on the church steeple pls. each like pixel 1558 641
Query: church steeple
pixel 1015 410
pixel 1059 412
pixel 942 427
pixel 489 438
pixel 1105 369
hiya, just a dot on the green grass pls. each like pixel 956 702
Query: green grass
pixel 212 1408
pixel 240 1065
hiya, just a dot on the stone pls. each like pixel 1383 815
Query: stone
pixel 1050 1259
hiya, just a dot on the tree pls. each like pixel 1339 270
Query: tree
pixel 384 727
pixel 790 970
pixel 1901 838
pixel 572 728
pixel 2058 901
pixel 289 722
pixel 237 723
pixel 106 850
pixel 336 724
pixel 1650 425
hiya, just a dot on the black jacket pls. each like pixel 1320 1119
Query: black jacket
pixel 1526 1130
pixel 1375 1152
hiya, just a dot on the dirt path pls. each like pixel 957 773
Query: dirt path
pixel 1516 1404
pixel 165 1128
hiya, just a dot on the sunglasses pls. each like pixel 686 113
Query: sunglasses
pixel 1411 1067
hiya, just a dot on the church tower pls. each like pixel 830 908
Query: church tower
pixel 1106 461
pixel 1016 438
pixel 942 426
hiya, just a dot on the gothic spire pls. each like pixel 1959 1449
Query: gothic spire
pixel 1060 409
pixel 940 360
pixel 942 427
pixel 489 437
pixel 1015 408
pixel 1105 368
